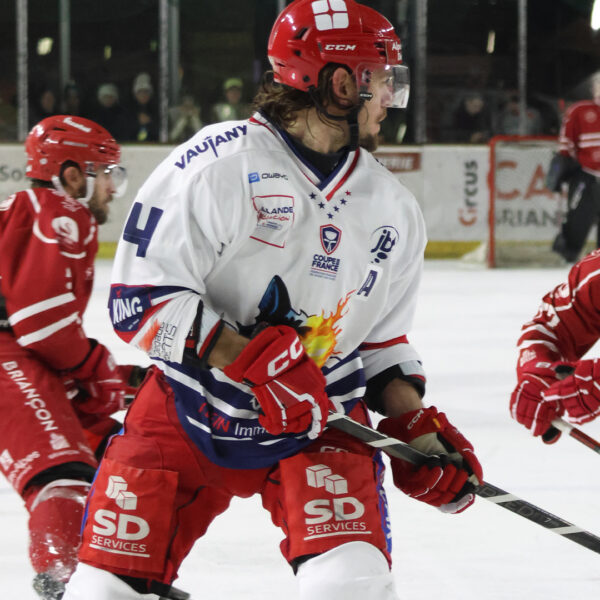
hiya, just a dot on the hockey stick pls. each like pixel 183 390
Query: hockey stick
pixel 580 436
pixel 490 492
pixel 486 490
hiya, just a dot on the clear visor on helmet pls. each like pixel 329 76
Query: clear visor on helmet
pixel 388 84
pixel 116 173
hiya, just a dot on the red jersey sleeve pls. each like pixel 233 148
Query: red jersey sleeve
pixel 567 323
pixel 47 247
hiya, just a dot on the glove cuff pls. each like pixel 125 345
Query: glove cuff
pixel 84 368
pixel 414 424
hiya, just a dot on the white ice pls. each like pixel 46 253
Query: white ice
pixel 466 326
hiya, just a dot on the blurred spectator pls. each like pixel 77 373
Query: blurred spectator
pixel 71 101
pixel 509 119
pixel 46 105
pixel 233 108
pixel 550 113
pixel 471 120
pixel 109 113
pixel 185 120
pixel 143 118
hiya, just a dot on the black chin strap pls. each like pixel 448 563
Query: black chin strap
pixel 351 117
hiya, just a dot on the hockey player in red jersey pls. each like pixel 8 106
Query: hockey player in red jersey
pixel 553 378
pixel 270 269
pixel 578 163
pixel 57 387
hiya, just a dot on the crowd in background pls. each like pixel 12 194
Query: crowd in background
pixel 476 116
pixel 131 113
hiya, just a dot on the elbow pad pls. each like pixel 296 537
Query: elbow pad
pixel 376 385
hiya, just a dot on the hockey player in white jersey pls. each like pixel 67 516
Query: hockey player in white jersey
pixel 270 268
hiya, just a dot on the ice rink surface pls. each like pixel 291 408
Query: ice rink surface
pixel 466 326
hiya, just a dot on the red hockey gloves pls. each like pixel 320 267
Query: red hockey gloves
pixel 528 404
pixel 447 480
pixel 99 378
pixel 578 394
pixel 288 385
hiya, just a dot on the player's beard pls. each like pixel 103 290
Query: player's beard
pixel 369 142
pixel 99 211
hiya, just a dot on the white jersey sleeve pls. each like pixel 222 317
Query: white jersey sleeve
pixel 174 234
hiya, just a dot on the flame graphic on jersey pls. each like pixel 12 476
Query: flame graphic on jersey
pixel 319 333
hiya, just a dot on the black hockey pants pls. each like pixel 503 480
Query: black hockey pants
pixel 583 212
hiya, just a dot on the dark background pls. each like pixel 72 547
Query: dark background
pixel 220 39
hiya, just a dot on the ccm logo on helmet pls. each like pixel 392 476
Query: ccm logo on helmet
pixel 341 47
pixel 281 362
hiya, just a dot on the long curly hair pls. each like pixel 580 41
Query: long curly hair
pixel 281 103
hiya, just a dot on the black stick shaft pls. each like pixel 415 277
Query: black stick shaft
pixel 486 490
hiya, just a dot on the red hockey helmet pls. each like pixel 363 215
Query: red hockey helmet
pixel 57 139
pixel 310 34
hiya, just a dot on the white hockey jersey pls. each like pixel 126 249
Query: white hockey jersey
pixel 236 224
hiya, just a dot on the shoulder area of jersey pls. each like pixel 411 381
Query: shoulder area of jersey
pixel 210 144
pixel 583 104
pixel 587 269
pixel 55 201
pixel 43 201
pixel 370 161
pixel 56 218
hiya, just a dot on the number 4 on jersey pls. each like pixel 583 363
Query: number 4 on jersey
pixel 141 237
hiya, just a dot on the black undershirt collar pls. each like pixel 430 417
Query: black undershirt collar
pixel 324 162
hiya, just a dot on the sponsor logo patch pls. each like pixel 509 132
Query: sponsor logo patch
pixel 325 266
pixel 257 177
pixel 209 144
pixel 330 238
pixel 332 516
pixel 120 533
pixel 274 219
pixel 383 241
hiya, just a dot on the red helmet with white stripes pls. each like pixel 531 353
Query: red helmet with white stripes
pixel 57 139
pixel 310 34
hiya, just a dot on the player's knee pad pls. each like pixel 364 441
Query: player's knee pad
pixel 352 571
pixel 55 514
pixel 90 583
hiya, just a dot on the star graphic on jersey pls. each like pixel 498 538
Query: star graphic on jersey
pixel 313 196
pixel 348 193
pixel 329 216
pixel 321 205
pixel 336 209
pixel 343 201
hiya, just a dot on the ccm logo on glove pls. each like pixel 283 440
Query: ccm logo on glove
pixel 282 362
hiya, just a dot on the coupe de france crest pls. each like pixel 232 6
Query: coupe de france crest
pixel 330 238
